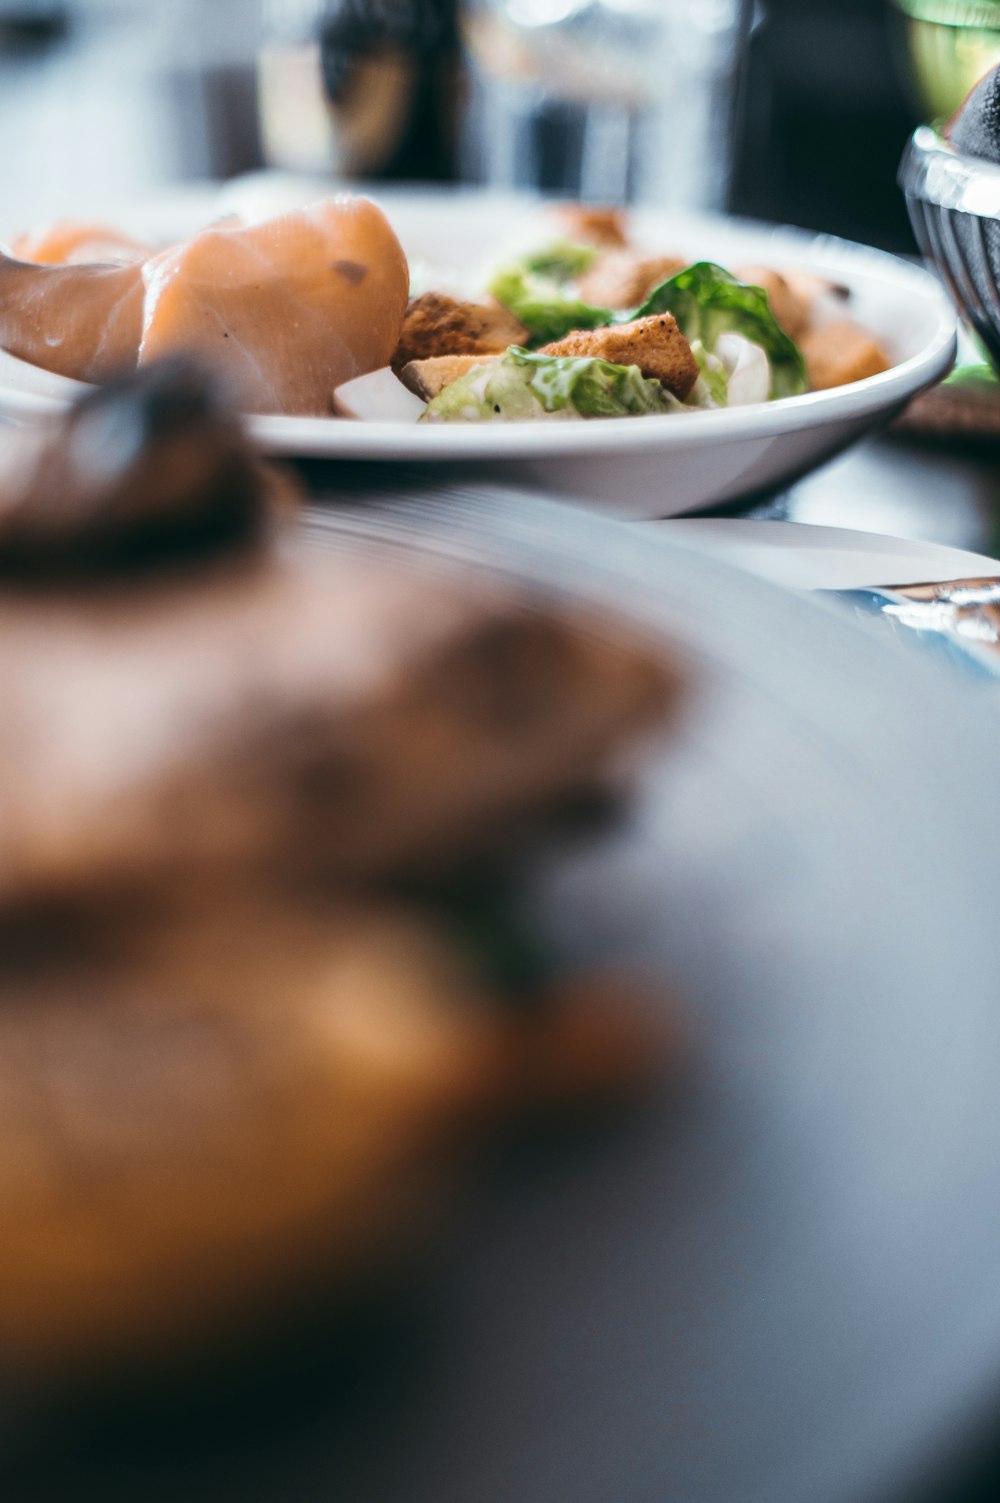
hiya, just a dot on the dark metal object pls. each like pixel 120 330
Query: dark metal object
pixel 954 205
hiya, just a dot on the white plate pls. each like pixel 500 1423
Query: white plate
pixel 649 467
pixel 780 1284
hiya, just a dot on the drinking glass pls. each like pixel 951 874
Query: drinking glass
pixel 609 100
pixel 948 46
pixel 359 88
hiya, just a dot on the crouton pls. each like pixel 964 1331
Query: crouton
pixel 790 304
pixel 590 224
pixel 810 286
pixel 428 377
pixel 655 344
pixel 622 279
pixel 840 352
pixel 436 324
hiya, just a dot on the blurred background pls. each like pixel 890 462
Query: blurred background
pixel 791 110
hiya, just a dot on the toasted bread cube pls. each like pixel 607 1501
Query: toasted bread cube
pixel 655 344
pixel 591 224
pixel 811 285
pixel 428 377
pixel 436 324
pixel 621 279
pixel 790 303
pixel 840 352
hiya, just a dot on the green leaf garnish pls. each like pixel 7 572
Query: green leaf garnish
pixel 707 301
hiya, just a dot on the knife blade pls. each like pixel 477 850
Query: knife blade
pixel 802 556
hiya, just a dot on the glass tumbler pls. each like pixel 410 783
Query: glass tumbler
pixel 948 45
pixel 605 100
pixel 359 88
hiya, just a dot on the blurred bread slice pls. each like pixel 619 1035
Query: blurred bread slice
pixel 350 716
pixel 208 1120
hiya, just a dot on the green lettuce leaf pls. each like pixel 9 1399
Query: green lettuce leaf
pixel 543 305
pixel 561 262
pixel 538 290
pixel 522 384
pixel 714 379
pixel 708 301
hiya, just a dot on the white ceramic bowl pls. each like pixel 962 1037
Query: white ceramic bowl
pixel 636 467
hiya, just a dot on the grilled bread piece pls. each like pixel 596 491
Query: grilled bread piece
pixel 592 224
pixel 655 344
pixel 438 325
pixel 841 351
pixel 623 279
pixel 428 377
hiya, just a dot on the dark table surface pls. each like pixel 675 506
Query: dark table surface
pixel 938 490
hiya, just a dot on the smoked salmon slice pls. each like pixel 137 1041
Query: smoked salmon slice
pixel 72 241
pixel 80 321
pixel 284 311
